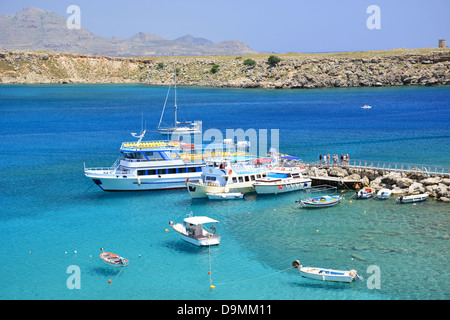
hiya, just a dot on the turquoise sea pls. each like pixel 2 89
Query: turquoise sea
pixel 53 217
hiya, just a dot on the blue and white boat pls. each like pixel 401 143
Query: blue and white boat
pixel 321 202
pixel 149 165
pixel 281 180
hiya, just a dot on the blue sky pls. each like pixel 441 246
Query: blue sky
pixel 265 25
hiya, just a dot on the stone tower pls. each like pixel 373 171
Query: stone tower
pixel 442 43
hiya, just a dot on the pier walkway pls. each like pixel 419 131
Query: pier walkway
pixel 425 169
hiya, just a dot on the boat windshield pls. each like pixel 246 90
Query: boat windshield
pixel 277 175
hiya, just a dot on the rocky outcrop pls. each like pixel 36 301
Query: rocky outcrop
pixel 399 183
pixel 426 67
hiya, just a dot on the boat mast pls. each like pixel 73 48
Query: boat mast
pixel 175 87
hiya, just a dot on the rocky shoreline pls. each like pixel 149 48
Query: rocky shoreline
pixel 399 183
pixel 400 67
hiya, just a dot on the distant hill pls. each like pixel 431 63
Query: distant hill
pixel 37 29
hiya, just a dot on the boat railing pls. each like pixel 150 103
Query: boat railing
pixel 425 169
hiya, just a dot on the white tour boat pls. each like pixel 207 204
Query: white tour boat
pixel 282 179
pixel 384 194
pixel 325 274
pixel 150 165
pixel 227 176
pixel 192 231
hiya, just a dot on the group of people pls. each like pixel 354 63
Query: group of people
pixel 328 159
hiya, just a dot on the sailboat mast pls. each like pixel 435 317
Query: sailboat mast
pixel 176 123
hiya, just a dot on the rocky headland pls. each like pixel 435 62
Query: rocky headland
pixel 399 183
pixel 397 67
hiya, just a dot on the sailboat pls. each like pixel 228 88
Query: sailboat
pixel 188 127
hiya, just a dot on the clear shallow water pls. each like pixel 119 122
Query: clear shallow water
pixel 49 207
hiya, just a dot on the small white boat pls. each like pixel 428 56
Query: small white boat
pixel 225 195
pixel 365 193
pixel 321 202
pixel 384 194
pixel 366 107
pixel 413 198
pixel 113 260
pixel 192 231
pixel 325 274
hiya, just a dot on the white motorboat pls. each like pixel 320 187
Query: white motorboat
pixel 365 193
pixel 325 274
pixel 226 196
pixel 192 231
pixel 384 194
pixel 413 198
pixel 281 180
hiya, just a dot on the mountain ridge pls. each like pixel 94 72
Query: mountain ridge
pixel 38 29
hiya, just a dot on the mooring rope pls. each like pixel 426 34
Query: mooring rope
pixel 245 280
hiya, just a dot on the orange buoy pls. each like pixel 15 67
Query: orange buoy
pixel 109 281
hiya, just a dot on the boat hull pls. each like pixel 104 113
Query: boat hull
pixel 200 191
pixel 130 183
pixel 285 187
pixel 202 242
pixel 318 204
pixel 326 274
pixel 225 196
pixel 412 199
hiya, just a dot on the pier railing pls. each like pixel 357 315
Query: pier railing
pixel 425 169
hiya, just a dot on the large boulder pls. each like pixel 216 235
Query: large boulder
pixel 416 188
pixel 391 178
pixel 431 181
pixel 337 172
pixel 404 182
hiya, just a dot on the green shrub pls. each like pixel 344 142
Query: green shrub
pixel 214 69
pixel 249 62
pixel 160 66
pixel 273 60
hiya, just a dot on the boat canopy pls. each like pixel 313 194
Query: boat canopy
pixel 277 175
pixel 199 220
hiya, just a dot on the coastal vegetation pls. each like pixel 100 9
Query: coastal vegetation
pixel 396 67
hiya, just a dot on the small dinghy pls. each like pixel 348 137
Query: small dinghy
pixel 325 274
pixel 365 193
pixel 320 202
pixel 384 194
pixel 113 260
pixel 413 198
pixel 225 196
